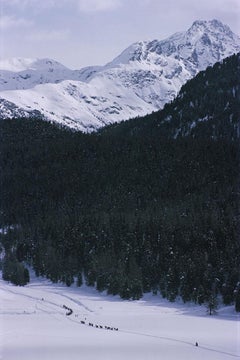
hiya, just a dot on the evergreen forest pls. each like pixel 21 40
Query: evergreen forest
pixel 147 205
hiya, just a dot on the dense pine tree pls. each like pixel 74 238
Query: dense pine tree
pixel 151 204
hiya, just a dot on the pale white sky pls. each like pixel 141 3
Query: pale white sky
pixel 79 33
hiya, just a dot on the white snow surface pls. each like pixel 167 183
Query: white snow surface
pixel 140 80
pixel 34 325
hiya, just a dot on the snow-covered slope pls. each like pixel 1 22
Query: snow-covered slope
pixel 140 80
pixel 34 325
pixel 26 73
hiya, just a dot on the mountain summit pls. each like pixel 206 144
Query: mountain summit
pixel 140 80
pixel 209 39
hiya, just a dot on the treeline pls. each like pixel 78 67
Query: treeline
pixel 151 204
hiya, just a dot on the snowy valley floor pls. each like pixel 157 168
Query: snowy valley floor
pixel 34 326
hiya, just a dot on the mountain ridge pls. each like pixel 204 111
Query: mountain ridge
pixel 140 80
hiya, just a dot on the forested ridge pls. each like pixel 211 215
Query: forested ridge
pixel 151 204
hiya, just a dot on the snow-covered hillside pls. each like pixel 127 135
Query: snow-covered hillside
pixel 34 325
pixel 140 80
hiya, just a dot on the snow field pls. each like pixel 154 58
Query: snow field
pixel 34 325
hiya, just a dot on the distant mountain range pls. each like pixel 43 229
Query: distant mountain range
pixel 140 80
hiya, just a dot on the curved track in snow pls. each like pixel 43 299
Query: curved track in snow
pixel 150 326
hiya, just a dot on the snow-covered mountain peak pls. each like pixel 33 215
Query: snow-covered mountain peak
pixel 211 25
pixel 133 53
pixel 25 73
pixel 204 39
pixel 212 30
pixel 47 65
pixel 16 64
pixel 24 64
pixel 140 80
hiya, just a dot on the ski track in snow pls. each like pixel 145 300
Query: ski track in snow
pixel 53 300
pixel 46 306
pixel 31 297
pixel 179 341
pixel 77 302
